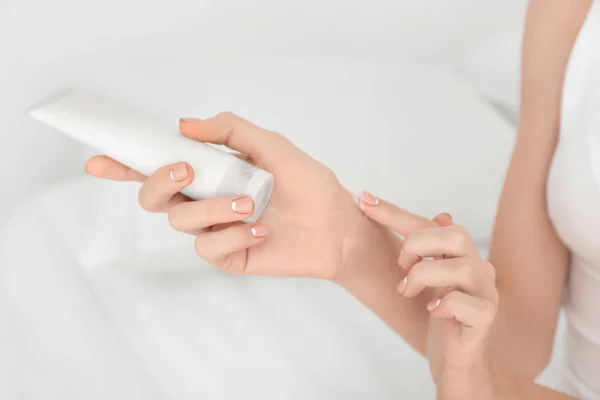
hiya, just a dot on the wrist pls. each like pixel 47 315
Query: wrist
pixel 366 246
pixel 506 385
pixel 483 380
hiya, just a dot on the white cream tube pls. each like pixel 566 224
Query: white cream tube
pixel 133 139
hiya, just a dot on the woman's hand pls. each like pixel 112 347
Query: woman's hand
pixel 443 264
pixel 301 233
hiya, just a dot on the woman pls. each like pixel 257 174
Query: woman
pixel 447 306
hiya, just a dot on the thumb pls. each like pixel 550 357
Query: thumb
pixel 260 145
pixel 443 219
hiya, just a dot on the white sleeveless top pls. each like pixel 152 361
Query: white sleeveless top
pixel 574 206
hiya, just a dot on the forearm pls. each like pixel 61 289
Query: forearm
pixel 533 391
pixel 525 248
pixel 371 274
pixel 512 388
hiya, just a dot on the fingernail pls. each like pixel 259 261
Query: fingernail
pixel 433 305
pixel 179 173
pixel 242 205
pixel 188 120
pixel 368 199
pixel 402 286
pixel 400 258
pixel 260 230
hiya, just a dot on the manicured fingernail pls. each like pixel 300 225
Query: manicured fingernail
pixel 188 120
pixel 433 305
pixel 402 285
pixel 260 230
pixel 179 173
pixel 368 199
pixel 242 205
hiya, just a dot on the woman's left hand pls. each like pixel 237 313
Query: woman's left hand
pixel 443 264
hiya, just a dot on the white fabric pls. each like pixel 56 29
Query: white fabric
pixel 493 66
pixel 169 326
pixel 574 200
pixel 99 299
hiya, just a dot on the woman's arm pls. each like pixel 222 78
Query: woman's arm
pixel 461 318
pixel 531 261
pixel 527 390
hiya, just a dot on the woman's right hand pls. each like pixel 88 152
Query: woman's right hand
pixel 301 233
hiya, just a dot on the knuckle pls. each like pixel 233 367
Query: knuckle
pixel 145 202
pixel 451 298
pixel 409 243
pixel 491 270
pixel 487 310
pixel 416 273
pixel 174 217
pixel 228 120
pixel 226 115
pixel 461 230
pixel 200 248
pixel 459 236
pixel 467 270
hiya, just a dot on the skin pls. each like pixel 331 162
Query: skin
pixel 462 312
pixel 490 352
pixel 525 247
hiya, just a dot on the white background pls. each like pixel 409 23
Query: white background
pixel 45 45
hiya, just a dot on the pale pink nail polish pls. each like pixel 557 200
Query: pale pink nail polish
pixel 243 205
pixel 368 199
pixel 402 286
pixel 188 120
pixel 179 173
pixel 260 230
pixel 433 305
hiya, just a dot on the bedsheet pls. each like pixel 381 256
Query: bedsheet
pixel 92 309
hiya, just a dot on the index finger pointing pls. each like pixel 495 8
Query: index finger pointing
pixel 393 217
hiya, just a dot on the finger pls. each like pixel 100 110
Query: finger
pixel 228 129
pixel 107 168
pixel 391 216
pixel 447 241
pixel 470 311
pixel 472 276
pixel 194 216
pixel 161 190
pixel 225 248
pixel 443 219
